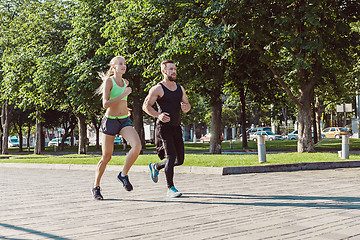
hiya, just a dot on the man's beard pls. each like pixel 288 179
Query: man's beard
pixel 171 78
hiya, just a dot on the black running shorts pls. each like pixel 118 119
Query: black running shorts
pixel 112 127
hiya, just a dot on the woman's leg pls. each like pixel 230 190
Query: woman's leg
pixel 107 150
pixel 131 136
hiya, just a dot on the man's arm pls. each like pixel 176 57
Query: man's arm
pixel 154 94
pixel 185 105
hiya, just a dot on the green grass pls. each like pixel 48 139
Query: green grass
pixel 331 144
pixel 69 155
pixel 205 160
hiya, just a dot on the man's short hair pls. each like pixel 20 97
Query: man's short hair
pixel 163 63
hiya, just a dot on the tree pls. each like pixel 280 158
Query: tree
pixel 88 17
pixel 35 39
pixel 8 12
pixel 196 115
pixel 134 33
pixel 296 40
pixel 197 40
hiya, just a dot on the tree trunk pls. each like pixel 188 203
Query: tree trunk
pixel 63 139
pixel 243 117
pixel 331 118
pixel 319 109
pixel 138 112
pixel 68 127
pixel 97 129
pixel 37 148
pixel 28 137
pixel 305 143
pixel 194 134
pixel 285 114
pixel 82 133
pixel 215 130
pixel 5 122
pixel 314 134
pixel 20 140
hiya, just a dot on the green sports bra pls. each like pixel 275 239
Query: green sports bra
pixel 117 90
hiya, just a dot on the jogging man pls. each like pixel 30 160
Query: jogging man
pixel 170 98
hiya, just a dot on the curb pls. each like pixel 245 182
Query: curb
pixel 290 167
pixel 117 168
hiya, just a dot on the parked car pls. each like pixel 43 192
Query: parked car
pixel 117 141
pixel 269 136
pixel 13 141
pixel 57 141
pixel 257 129
pixel 294 135
pixel 334 132
pixel 206 138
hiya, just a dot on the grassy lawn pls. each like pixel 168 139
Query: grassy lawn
pixel 330 144
pixel 201 159
pixel 205 160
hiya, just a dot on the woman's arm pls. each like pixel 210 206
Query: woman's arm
pixel 106 94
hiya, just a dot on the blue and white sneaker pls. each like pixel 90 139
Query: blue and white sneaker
pixel 154 172
pixel 173 192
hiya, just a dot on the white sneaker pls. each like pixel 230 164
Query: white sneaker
pixel 173 192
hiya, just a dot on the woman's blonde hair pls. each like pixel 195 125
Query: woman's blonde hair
pixel 109 73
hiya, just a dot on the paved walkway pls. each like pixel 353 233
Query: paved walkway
pixel 57 204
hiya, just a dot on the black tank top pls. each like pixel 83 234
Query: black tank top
pixel 170 103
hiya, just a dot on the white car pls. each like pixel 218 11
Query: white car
pixel 57 141
pixel 14 142
pixel 269 136
pixel 207 138
pixel 54 142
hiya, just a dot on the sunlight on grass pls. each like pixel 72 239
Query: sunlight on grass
pixel 205 160
pixel 198 155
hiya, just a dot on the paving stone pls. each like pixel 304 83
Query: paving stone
pixel 56 203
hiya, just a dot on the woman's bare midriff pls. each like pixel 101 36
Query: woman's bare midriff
pixel 118 110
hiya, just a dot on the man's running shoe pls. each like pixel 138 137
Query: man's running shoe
pixel 125 181
pixel 154 172
pixel 96 192
pixel 173 192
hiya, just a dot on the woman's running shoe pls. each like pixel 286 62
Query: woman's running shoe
pixel 125 181
pixel 96 193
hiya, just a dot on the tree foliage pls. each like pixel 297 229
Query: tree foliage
pixel 258 52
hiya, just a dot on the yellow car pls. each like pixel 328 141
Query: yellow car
pixel 334 132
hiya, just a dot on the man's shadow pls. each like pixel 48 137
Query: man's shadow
pixel 261 200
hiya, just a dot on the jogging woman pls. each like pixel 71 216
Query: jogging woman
pixel 115 91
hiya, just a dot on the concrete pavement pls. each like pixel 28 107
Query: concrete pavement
pixel 44 203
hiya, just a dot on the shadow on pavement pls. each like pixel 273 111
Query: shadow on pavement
pixel 42 234
pixel 262 200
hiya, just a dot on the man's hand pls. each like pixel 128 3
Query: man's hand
pixel 164 117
